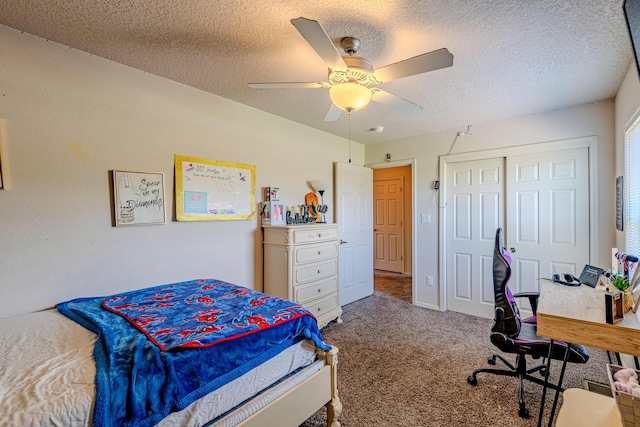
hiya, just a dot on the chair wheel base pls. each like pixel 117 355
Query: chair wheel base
pixel 523 413
pixel 472 380
pixel 491 360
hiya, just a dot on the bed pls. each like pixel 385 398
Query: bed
pixel 89 362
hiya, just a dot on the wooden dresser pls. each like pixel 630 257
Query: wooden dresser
pixel 301 265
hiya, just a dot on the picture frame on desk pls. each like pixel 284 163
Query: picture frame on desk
pixel 614 307
pixel 273 213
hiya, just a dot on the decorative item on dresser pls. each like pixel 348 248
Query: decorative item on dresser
pixel 273 213
pixel 301 265
pixel 321 186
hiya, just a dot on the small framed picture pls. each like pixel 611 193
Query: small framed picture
pixel 274 194
pixel 138 198
pixel 273 213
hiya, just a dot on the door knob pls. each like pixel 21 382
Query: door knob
pixel 342 242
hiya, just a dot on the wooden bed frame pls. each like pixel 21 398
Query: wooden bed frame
pixel 299 403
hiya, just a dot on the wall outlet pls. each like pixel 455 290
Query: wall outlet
pixel 425 217
pixel 429 280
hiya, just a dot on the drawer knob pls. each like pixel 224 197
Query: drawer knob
pixel 318 271
pixel 319 308
pixel 319 290
pixel 319 252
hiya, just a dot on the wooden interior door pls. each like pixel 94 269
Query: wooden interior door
pixel 388 222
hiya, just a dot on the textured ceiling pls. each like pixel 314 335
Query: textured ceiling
pixel 511 57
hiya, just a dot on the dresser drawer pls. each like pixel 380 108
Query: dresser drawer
pixel 304 274
pixel 324 305
pixel 315 290
pixel 317 235
pixel 306 253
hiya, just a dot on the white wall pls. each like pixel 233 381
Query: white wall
pixel 594 119
pixel 627 104
pixel 67 118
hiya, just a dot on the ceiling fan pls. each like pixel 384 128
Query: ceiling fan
pixel 352 79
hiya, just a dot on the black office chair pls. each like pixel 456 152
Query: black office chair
pixel 512 335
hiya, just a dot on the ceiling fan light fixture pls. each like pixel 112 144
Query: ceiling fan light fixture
pixel 350 96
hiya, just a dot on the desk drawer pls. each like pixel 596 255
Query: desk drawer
pixel 324 305
pixel 311 235
pixel 316 290
pixel 315 271
pixel 308 253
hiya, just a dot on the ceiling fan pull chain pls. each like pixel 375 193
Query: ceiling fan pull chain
pixel 349 114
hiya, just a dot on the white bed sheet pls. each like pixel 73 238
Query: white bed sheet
pixel 46 371
pixel 47 375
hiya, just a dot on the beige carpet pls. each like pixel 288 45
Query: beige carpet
pixel 402 365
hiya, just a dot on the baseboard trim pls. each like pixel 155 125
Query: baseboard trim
pixel 425 305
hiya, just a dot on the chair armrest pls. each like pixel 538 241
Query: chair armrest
pixel 533 299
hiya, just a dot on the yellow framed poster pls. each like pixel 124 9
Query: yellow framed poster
pixel 210 190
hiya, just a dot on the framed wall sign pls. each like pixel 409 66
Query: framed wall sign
pixel 138 198
pixel 209 190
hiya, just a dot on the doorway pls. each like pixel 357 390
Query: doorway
pixel 405 169
pixel 392 219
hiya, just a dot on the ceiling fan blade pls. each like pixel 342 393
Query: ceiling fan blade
pixel 435 60
pixel 333 114
pixel 317 37
pixel 395 102
pixel 290 85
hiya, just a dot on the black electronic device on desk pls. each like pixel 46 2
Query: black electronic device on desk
pixel 590 275
pixel 567 279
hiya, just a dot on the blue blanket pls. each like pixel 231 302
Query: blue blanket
pixel 201 313
pixel 138 384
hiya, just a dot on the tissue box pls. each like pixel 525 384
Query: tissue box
pixel 628 405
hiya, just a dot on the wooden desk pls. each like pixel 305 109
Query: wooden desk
pixel 577 315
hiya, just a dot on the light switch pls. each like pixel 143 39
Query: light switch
pixel 426 217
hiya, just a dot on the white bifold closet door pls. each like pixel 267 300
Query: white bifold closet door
pixel 542 202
